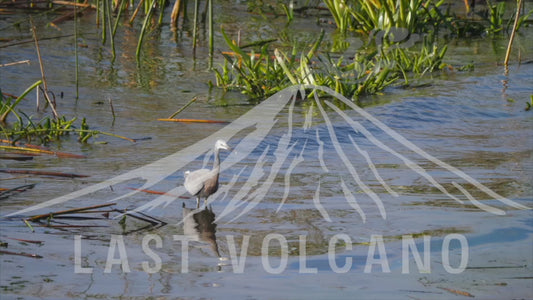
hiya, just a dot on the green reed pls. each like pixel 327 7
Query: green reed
pixel 109 13
pixel 417 16
pixel 8 104
pixel 369 15
pixel 261 74
pixel 24 127
pixel 49 129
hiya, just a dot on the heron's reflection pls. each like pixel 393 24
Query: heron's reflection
pixel 199 225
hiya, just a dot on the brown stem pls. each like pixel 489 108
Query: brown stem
pixel 44 173
pixel 175 15
pixel 136 11
pixel 517 17
pixel 34 31
pixel 68 211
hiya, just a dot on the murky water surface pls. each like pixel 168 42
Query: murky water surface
pixel 474 121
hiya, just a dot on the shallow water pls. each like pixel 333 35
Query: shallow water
pixel 464 119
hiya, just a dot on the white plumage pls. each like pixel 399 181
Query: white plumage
pixel 204 182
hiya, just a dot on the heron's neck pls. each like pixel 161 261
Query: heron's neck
pixel 216 163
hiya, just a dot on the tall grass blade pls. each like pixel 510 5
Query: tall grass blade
pixel 211 33
pixel 184 107
pixel 161 12
pixel 12 107
pixel 76 60
pixel 195 27
pixel 110 27
pixel 281 62
pixel 143 31
pixel 134 15
pixel 105 12
pixel 511 38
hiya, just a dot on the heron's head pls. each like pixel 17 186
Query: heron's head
pixel 221 144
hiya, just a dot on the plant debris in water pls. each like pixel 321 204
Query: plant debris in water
pixel 57 219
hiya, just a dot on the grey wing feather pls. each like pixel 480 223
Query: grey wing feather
pixel 194 181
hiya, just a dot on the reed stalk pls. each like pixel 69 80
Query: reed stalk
pixel 76 61
pixel 174 16
pixel 112 112
pixel 184 107
pixel 11 108
pixel 211 32
pixel 115 26
pixel 97 13
pixel 134 15
pixel 161 12
pixel 143 31
pixel 68 211
pixel 86 131
pixel 195 27
pixel 104 21
pixel 511 38
pixel 41 66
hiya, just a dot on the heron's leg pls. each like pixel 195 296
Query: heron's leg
pixel 205 202
pixel 198 202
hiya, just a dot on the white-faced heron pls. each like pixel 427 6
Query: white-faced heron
pixel 204 182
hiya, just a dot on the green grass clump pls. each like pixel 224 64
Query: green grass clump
pixel 373 68
pixel 46 130
pixel 419 16
pixel 369 15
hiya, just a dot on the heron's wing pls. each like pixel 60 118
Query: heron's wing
pixel 194 181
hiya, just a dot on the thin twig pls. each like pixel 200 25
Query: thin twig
pixel 66 17
pixel 193 121
pixel 136 11
pixel 31 40
pixel 68 211
pixel 31 148
pixel 71 226
pixel 21 254
pixel 19 189
pixel 27 61
pixel 17 158
pixel 112 111
pixel 81 130
pixel 157 193
pixel 34 31
pixel 44 173
pixel 184 107
pixel 146 218
pixel 26 241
